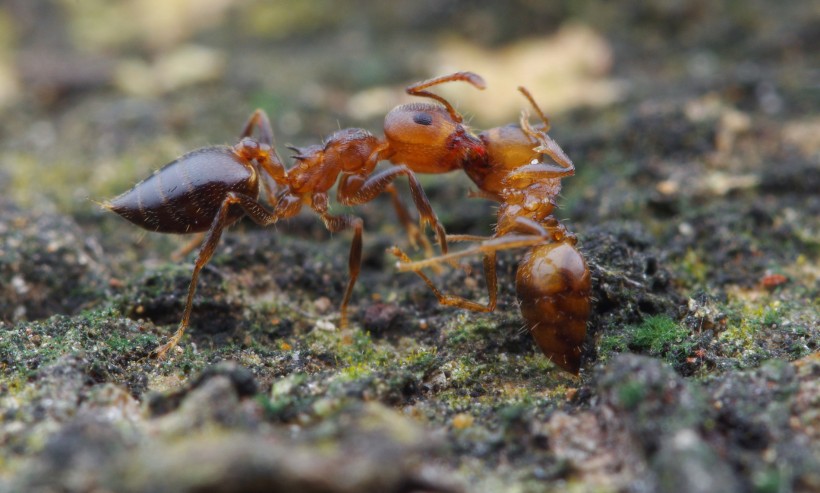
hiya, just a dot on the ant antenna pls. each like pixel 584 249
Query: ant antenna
pixel 418 89
pixel 529 97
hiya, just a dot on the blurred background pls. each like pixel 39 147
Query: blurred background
pixel 85 84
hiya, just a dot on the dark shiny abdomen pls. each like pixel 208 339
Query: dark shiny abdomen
pixel 185 195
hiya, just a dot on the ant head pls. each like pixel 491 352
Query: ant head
pixel 428 138
pixel 419 124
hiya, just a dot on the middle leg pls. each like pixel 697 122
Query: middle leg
pixel 335 224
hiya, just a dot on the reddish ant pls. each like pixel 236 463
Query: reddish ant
pixel 507 164
pixel 210 188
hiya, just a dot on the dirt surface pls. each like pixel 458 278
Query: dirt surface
pixel 694 129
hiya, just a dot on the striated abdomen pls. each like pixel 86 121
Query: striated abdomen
pixel 553 285
pixel 185 195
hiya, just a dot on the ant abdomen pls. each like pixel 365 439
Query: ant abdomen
pixel 185 195
pixel 553 286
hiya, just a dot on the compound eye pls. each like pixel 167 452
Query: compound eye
pixel 423 118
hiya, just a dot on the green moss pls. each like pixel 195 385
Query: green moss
pixel 361 352
pixel 465 335
pixel 746 322
pixel 421 360
pixel 362 349
pixel 355 371
pixel 118 343
pixel 659 333
pixel 610 343
pixel 771 316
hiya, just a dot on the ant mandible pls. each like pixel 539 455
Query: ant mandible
pixel 208 189
pixel 509 167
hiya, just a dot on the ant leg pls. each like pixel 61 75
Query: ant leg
pixel 465 238
pixel 453 300
pixel 256 212
pixel 485 247
pixel 263 153
pixel 533 234
pixel 552 149
pixel 549 229
pixel 541 171
pixel 273 173
pixel 524 233
pixel 354 191
pixel 259 120
pixel 414 235
pixel 335 224
pixel 417 89
pixel 546 143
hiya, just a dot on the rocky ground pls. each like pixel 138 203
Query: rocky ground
pixel 694 129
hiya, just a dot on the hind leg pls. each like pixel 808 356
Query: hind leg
pixel 256 212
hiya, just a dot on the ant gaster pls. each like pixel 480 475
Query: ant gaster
pixel 509 167
pixel 210 188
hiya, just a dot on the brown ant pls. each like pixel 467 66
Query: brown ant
pixel 508 166
pixel 208 189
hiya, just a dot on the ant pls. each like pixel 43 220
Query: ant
pixel 508 165
pixel 208 189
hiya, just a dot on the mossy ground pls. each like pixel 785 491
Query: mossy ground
pixel 695 203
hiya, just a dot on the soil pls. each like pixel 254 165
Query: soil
pixel 694 130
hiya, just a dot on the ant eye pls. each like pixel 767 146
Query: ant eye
pixel 423 118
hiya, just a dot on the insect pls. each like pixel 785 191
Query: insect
pixel 208 189
pixel 520 167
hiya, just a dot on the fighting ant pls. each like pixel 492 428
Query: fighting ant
pixel 508 166
pixel 210 188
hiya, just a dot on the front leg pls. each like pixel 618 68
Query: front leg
pixel 414 234
pixel 450 299
pixel 526 234
pixel 355 190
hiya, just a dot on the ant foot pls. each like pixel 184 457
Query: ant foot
pixel 399 254
pixel 160 352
